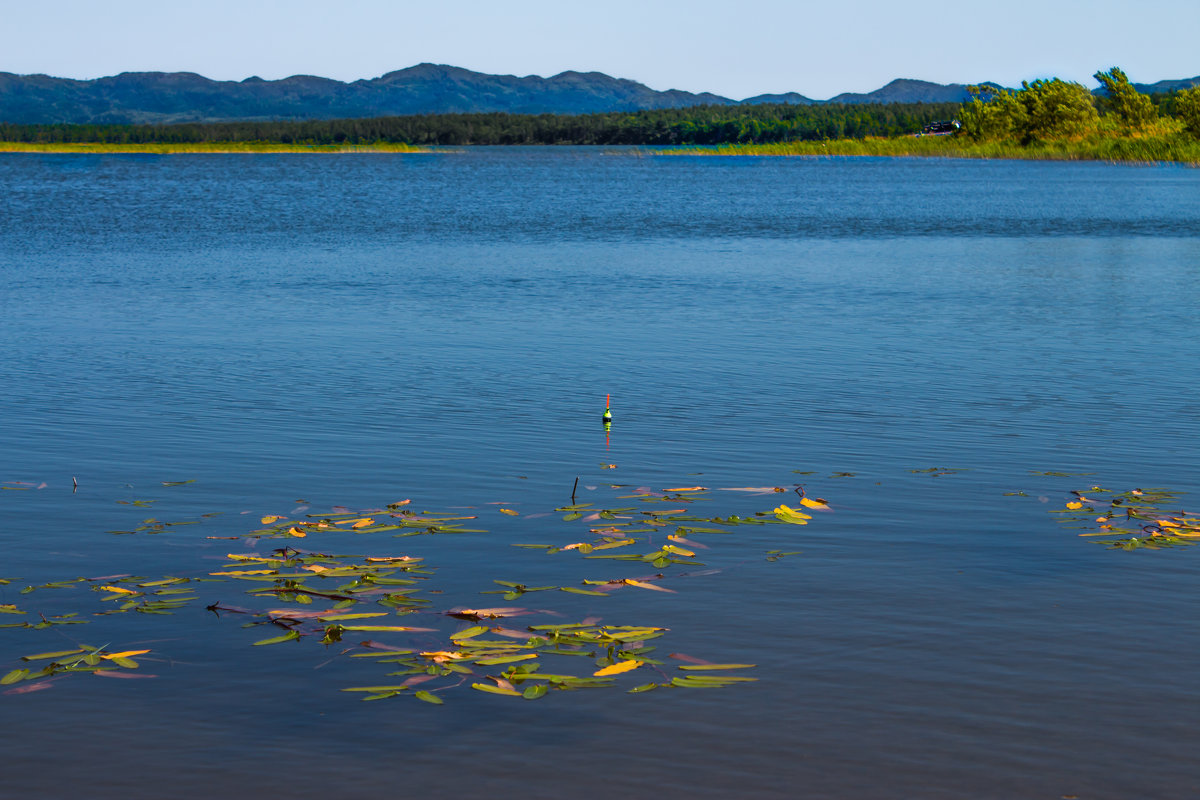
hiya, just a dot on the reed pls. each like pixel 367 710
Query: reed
pixel 204 147
pixel 1152 147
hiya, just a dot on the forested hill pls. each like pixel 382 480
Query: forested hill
pixel 164 98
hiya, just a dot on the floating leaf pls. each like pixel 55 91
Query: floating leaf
pixel 487 613
pixel 15 676
pixel 791 515
pixel 383 628
pixel 124 654
pixel 577 590
pixel 470 633
pixel 645 585
pixel 52 655
pixel 618 668
pixel 429 698
pixel 287 637
pixel 718 666
pixel 483 687
pixel 510 512
pixel 488 662
pixel 534 692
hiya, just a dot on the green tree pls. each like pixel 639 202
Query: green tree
pixel 992 114
pixel 1132 108
pixel 1187 108
pixel 1057 109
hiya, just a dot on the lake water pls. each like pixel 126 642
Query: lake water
pixel 302 334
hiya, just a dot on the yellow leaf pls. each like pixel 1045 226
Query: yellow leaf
pixel 644 585
pixel 294 531
pixel 789 514
pixel 510 512
pixel 687 489
pixel 236 557
pixel 818 503
pixel 267 520
pixel 117 589
pixel 246 572
pixel 315 568
pixel 618 668
pixel 124 654
pixel 1168 524
pixel 1074 506
pixel 364 522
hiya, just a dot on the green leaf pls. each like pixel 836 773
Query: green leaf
pixel 488 662
pixel 14 676
pixel 56 654
pixel 534 692
pixel 700 667
pixel 487 687
pixel 287 637
pixel 471 632
pixel 429 698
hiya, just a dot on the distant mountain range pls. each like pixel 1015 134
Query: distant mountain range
pixel 171 97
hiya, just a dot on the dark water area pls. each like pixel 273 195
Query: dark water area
pixel 301 331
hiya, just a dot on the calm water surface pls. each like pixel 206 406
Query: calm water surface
pixel 353 330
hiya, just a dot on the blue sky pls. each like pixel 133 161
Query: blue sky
pixel 735 49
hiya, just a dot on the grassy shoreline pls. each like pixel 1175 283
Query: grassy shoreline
pixel 205 147
pixel 1145 150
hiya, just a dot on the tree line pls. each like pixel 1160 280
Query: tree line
pixel 701 125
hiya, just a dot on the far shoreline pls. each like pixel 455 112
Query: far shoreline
pixel 205 148
pixel 1158 150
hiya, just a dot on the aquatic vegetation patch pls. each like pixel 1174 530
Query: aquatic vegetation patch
pixel 1131 520
pixel 377 610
